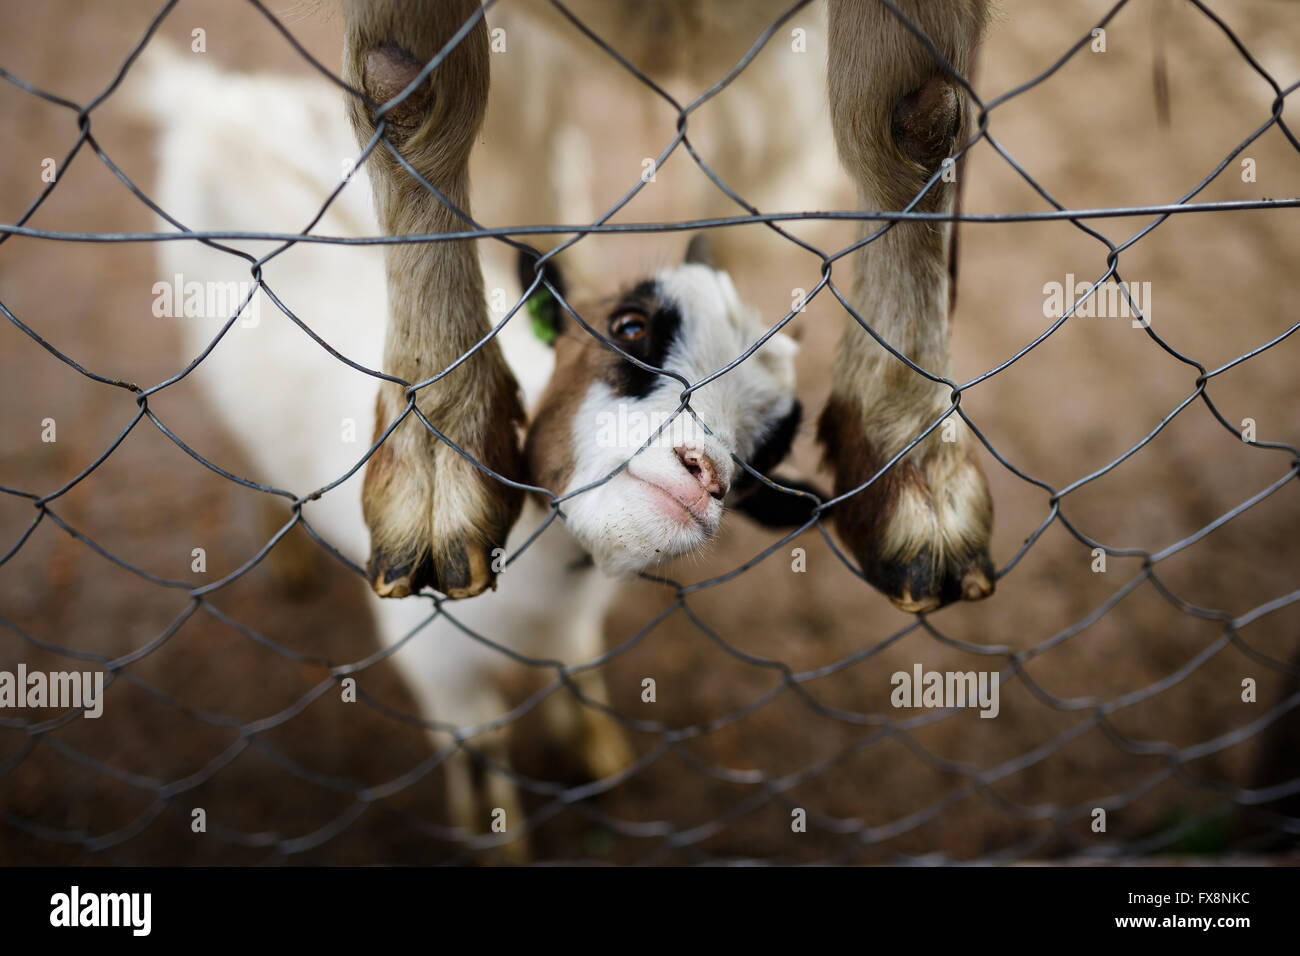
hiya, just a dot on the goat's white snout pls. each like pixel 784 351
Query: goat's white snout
pixel 690 477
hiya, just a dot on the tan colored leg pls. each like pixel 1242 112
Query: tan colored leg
pixel 921 531
pixel 434 518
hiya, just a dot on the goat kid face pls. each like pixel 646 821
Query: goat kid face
pixel 603 415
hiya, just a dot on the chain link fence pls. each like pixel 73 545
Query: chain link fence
pixel 1182 809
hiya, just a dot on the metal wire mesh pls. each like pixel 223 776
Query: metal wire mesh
pixel 662 839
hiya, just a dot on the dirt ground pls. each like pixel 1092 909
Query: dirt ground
pixel 960 788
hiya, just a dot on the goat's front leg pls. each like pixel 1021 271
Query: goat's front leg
pixel 921 531
pixel 433 517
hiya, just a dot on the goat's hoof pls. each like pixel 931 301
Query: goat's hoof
pixel 920 532
pixel 459 571
pixel 925 584
pixel 435 520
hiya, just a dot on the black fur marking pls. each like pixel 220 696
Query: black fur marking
pixel 773 508
pixel 664 325
pixel 769 506
pixel 776 443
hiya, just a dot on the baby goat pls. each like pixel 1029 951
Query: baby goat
pixel 645 485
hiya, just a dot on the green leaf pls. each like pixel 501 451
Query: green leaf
pixel 541 313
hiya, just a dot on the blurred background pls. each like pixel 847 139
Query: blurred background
pixel 1096 133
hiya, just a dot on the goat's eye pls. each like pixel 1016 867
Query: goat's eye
pixel 629 326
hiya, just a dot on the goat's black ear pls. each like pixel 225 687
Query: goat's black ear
pixel 544 312
pixel 700 251
pixel 773 508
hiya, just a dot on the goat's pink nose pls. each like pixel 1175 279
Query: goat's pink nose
pixel 703 470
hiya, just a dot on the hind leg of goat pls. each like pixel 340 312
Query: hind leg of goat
pixel 481 798
pixel 597 740
pixel 921 531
